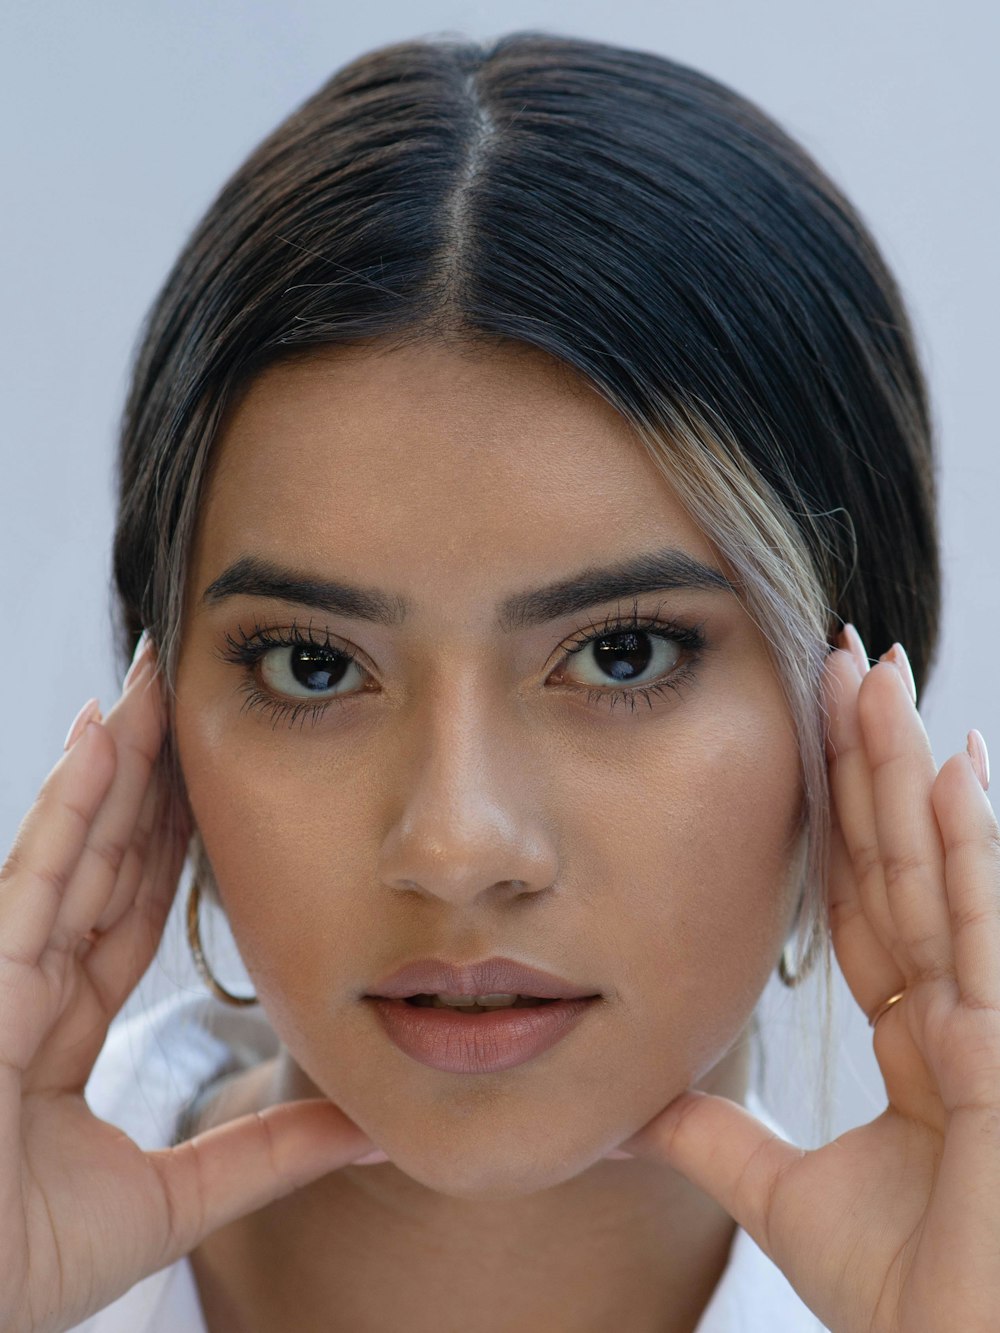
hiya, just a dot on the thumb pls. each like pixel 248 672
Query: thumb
pixel 724 1150
pixel 238 1167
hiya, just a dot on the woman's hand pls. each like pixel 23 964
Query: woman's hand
pixel 895 1226
pixel 84 1213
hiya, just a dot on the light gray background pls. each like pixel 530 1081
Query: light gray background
pixel 121 120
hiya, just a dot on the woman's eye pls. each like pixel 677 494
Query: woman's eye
pixel 625 657
pixel 295 679
pixel 299 671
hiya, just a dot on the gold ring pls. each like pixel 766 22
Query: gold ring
pixel 886 1006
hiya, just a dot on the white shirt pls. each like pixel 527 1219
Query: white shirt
pixel 154 1063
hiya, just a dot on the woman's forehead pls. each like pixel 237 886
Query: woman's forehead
pixel 438 451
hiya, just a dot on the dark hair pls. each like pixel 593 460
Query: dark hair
pixel 625 213
pixel 635 219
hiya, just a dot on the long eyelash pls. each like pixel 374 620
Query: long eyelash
pixel 248 649
pixel 689 637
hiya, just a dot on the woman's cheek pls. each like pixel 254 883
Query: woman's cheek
pixel 259 825
pixel 698 895
pixel 734 842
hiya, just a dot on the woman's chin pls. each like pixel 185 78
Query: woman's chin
pixel 483 1175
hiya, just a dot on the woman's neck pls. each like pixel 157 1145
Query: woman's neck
pixel 625 1245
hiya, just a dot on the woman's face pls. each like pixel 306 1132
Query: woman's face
pixel 466 787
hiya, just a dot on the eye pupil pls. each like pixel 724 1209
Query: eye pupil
pixel 628 644
pixel 318 669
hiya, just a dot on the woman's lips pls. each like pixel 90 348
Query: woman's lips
pixel 492 976
pixel 457 1043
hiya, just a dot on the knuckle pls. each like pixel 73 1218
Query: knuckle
pixel 866 860
pixel 985 844
pixel 935 965
pixel 21 858
pixel 110 851
pixel 900 866
pixel 843 911
pixel 974 917
pixel 182 1182
pixel 142 841
pixel 51 877
pixel 978 1005
pixel 12 866
pixel 845 750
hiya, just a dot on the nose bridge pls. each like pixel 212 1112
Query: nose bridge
pixel 468 815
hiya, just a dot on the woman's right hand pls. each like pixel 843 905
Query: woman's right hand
pixel 84 1212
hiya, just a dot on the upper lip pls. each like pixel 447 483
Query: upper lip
pixel 493 976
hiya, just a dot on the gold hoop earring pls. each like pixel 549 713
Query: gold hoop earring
pixel 790 978
pixel 197 953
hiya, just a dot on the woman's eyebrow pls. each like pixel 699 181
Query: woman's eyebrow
pixel 653 571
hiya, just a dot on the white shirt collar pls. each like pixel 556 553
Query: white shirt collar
pixel 152 1065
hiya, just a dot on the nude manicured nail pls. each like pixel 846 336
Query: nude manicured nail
pixel 979 755
pixel 370 1159
pixel 897 656
pixel 90 712
pixel 852 640
pixel 139 657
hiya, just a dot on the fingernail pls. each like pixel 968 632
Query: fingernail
pixel 852 640
pixel 138 658
pixel 897 656
pixel 979 755
pixel 619 1153
pixel 370 1159
pixel 90 712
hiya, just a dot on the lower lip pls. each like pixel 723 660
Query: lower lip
pixel 458 1043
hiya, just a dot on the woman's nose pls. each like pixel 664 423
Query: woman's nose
pixel 469 810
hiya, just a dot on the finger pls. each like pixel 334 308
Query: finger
pixel 964 1224
pixel 109 970
pixel 136 723
pixel 157 821
pixel 238 1167
pixel 121 957
pixel 866 964
pixel 971 841
pixel 33 879
pixel 851 794
pixel 907 850
pixel 49 845
pixel 869 969
pixel 724 1150
pixel 131 877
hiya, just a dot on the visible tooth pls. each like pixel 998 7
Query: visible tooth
pixel 479 1003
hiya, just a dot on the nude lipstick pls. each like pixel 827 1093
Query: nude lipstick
pixel 457 1042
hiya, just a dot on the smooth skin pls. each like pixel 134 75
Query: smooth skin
pixel 470 790
pixel 892 1228
pixel 84 1213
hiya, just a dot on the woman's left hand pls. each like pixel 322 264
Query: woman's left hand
pixel 894 1227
